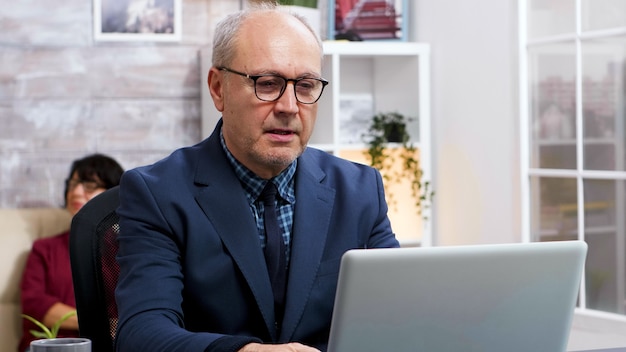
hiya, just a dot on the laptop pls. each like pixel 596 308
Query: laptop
pixel 497 297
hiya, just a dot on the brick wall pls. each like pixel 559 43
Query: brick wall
pixel 63 95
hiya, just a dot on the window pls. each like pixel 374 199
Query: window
pixel 573 126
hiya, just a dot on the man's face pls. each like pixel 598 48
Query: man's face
pixel 267 136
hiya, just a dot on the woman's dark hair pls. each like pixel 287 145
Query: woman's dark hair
pixel 96 167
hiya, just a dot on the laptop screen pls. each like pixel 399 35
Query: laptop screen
pixel 499 297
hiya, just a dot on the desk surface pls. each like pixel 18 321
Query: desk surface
pixel 617 349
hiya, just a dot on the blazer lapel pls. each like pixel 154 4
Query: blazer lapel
pixel 220 197
pixel 314 204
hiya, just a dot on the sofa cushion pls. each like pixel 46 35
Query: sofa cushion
pixel 18 229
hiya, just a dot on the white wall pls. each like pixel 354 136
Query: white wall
pixel 476 134
pixel 475 119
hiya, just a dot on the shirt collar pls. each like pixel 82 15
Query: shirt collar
pixel 253 184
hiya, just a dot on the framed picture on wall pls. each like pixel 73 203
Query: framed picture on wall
pixel 355 115
pixel 358 20
pixel 137 20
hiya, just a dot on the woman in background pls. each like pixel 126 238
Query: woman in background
pixel 47 291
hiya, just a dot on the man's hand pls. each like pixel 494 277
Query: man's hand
pixel 288 347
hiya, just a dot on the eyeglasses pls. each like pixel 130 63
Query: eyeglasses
pixel 270 87
pixel 88 186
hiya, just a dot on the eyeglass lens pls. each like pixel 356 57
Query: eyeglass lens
pixel 88 186
pixel 270 88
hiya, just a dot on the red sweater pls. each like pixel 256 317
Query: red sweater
pixel 47 279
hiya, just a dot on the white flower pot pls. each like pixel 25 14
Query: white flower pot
pixel 62 344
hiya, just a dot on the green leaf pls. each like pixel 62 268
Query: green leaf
pixel 47 334
pixel 39 334
pixel 303 3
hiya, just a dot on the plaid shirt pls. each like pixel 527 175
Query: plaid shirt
pixel 253 186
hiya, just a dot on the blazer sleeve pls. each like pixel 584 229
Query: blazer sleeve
pixel 382 235
pixel 151 279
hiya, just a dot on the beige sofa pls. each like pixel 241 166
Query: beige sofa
pixel 18 229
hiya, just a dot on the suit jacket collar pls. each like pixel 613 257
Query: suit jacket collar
pixel 314 205
pixel 220 195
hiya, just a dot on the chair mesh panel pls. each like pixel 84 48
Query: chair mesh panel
pixel 108 229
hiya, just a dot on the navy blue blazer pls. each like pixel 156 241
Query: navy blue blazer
pixel 192 268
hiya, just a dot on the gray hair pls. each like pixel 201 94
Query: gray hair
pixel 225 37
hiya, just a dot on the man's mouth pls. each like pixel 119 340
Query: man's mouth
pixel 281 132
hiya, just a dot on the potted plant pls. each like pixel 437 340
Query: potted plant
pixel 306 8
pixel 46 333
pixel 387 139
pixel 303 3
pixel 48 340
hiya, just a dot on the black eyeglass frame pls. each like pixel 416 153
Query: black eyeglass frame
pixel 88 185
pixel 295 81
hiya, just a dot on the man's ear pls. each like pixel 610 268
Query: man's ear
pixel 216 85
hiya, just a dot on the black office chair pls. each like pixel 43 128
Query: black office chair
pixel 93 247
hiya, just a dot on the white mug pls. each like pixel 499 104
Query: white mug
pixel 62 344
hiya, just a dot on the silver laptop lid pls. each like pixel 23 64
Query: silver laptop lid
pixel 500 297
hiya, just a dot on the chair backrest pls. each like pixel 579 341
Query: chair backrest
pixel 93 247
